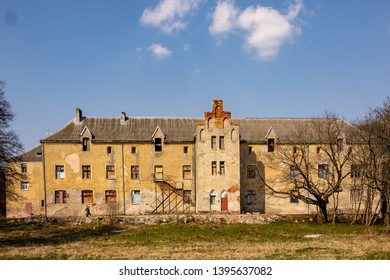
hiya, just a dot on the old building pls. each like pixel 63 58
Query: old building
pixel 136 165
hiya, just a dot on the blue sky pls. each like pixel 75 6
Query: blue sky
pixel 172 58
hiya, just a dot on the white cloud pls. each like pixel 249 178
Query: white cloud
pixel 265 29
pixel 168 14
pixel 224 17
pixel 159 51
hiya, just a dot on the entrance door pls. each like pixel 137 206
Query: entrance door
pixel 224 201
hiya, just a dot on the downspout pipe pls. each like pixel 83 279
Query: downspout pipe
pixel 44 178
pixel 123 181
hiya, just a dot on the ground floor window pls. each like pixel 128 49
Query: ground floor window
pixel 294 196
pixel 60 197
pixel 87 196
pixel 356 195
pixel 110 196
pixel 24 186
pixel 187 196
pixel 213 197
pixel 136 197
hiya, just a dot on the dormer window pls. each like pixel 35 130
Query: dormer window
pixel 85 144
pixel 157 145
pixel 271 145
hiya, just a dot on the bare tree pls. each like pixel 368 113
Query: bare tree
pixel 313 163
pixel 10 149
pixel 374 158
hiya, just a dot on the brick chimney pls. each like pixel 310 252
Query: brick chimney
pixel 79 115
pixel 123 117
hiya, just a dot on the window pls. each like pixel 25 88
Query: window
pixel 86 172
pixel 222 142
pixel 213 197
pixel 24 186
pixel 60 172
pixel 250 149
pixel 323 171
pixel 157 145
pixel 250 197
pixel 222 168
pixel 318 150
pixel 185 150
pixel 109 150
pixel 87 196
pixel 294 196
pixel 213 142
pixel 251 171
pixel 271 145
pixel 187 197
pixel 213 168
pixel 134 172
pixel 59 197
pixel 110 171
pixel 356 171
pixel 133 150
pixel 356 195
pixel 85 144
pixel 294 171
pixel 158 172
pixel 136 197
pixel 187 172
pixel 110 196
pixel 23 167
pixel 295 150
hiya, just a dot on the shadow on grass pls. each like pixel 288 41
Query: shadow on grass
pixel 41 234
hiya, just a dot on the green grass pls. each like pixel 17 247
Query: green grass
pixel 278 240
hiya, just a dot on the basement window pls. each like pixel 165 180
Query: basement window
pixel 157 145
pixel 60 197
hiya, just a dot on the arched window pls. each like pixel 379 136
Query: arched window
pixel 213 197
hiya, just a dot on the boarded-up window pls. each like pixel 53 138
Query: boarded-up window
pixel 86 172
pixel 187 172
pixel 87 196
pixel 110 196
pixel 28 208
pixel 60 197
pixel 158 172
pixel 60 172
pixel 134 172
pixel 136 197
pixel 110 172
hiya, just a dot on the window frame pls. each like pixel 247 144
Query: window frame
pixel 24 186
pixel 59 172
pixel 87 172
pixel 109 169
pixel 248 171
pixel 87 196
pixel 186 172
pixel 108 195
pixel 134 172
pixel 136 197
pixel 323 171
pixel 60 197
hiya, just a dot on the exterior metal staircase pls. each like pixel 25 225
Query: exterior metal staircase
pixel 172 199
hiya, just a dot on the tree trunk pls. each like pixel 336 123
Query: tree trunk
pixel 322 212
